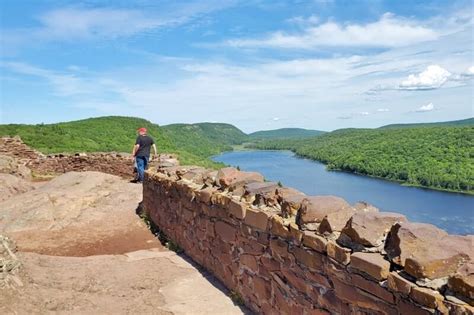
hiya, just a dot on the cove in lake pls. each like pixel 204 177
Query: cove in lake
pixel 453 212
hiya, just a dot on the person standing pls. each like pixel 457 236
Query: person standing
pixel 141 153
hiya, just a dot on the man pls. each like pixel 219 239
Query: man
pixel 141 153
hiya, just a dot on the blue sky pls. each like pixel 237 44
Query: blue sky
pixel 319 64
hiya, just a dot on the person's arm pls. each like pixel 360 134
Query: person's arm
pixel 135 148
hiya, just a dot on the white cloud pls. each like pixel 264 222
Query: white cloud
pixel 276 118
pixel 426 108
pixel 364 113
pixel 388 31
pixel 432 78
pixel 470 70
pixel 304 21
pixel 382 110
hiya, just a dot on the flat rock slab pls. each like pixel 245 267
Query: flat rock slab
pixel 313 209
pixel 144 282
pixel 427 251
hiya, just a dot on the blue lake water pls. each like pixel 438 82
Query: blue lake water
pixel 452 212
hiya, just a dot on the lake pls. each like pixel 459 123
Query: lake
pixel 452 212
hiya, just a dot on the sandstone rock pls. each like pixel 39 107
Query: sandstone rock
pixel 12 166
pixel 368 229
pixel 363 206
pixel 336 221
pixel 195 175
pixel 314 209
pixel 399 284
pixel 237 209
pixel 462 282
pixel 258 193
pixel 279 227
pixel 290 204
pixel 372 264
pixel 374 288
pixel 11 185
pixel 232 178
pixel 314 241
pixel 426 251
pixel 426 297
pixel 225 231
pixel 205 195
pixel 257 218
pixel 338 253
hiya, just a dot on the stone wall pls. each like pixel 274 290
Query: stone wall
pixel 284 252
pixel 119 164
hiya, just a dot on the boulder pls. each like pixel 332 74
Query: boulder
pixel 363 206
pixel 11 185
pixel 427 251
pixel 462 282
pixel 233 179
pixel 314 209
pixel 372 264
pixel 368 229
pixel 261 193
pixel 290 203
pixel 336 221
pixel 196 175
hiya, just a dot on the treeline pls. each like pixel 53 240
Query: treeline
pixel 436 157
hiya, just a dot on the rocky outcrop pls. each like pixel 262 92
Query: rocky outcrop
pixel 287 253
pixel 11 185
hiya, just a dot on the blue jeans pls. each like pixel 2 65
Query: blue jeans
pixel 142 163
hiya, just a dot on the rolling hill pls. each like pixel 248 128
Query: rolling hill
pixel 462 122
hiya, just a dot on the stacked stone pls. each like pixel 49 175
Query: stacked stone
pixel 15 147
pixel 287 253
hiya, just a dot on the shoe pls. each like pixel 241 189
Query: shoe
pixel 136 181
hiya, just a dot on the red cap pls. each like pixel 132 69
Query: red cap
pixel 141 129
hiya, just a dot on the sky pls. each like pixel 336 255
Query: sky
pixel 316 64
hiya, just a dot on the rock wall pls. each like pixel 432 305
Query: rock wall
pixel 284 252
pixel 54 164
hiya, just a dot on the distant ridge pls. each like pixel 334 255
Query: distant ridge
pixel 286 133
pixel 462 122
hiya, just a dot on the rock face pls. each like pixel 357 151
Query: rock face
pixel 50 218
pixel 426 251
pixel 314 209
pixel 12 166
pixel 368 229
pixel 462 282
pixel 11 185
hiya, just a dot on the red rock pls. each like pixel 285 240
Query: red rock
pixel 249 262
pixel 262 288
pixel 338 253
pixel 290 204
pixel 373 288
pixel 257 218
pixel 232 178
pixel 225 231
pixel 314 209
pixel 296 234
pixel 368 229
pixel 237 209
pixel 426 251
pixel 279 248
pixel 279 228
pixel 409 308
pixel 372 264
pixel 258 192
pixel 363 206
pixel 308 258
pixel 205 194
pixel 399 284
pixel 314 241
pixel 462 282
pixel 336 221
pixel 426 297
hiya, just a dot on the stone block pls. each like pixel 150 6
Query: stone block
pixel 314 241
pixel 279 228
pixel 372 264
pixel 426 251
pixel 399 284
pixel 290 204
pixel 257 219
pixel 263 190
pixel 462 282
pixel 204 195
pixel 250 262
pixel 336 221
pixel 225 232
pixel 295 233
pixel 368 229
pixel 314 209
pixel 409 308
pixel 279 248
pixel 338 253
pixel 373 288
pixel 237 209
pixel 232 178
pixel 308 258
pixel 426 297
pixel 262 289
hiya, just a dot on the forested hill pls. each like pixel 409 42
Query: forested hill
pixel 463 122
pixel 439 157
pixel 194 143
pixel 285 133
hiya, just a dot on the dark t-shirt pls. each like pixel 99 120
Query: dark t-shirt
pixel 145 143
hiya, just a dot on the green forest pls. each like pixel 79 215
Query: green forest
pixel 193 143
pixel 437 157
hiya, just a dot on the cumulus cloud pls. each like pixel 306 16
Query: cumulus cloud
pixel 388 31
pixel 426 108
pixel 432 78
